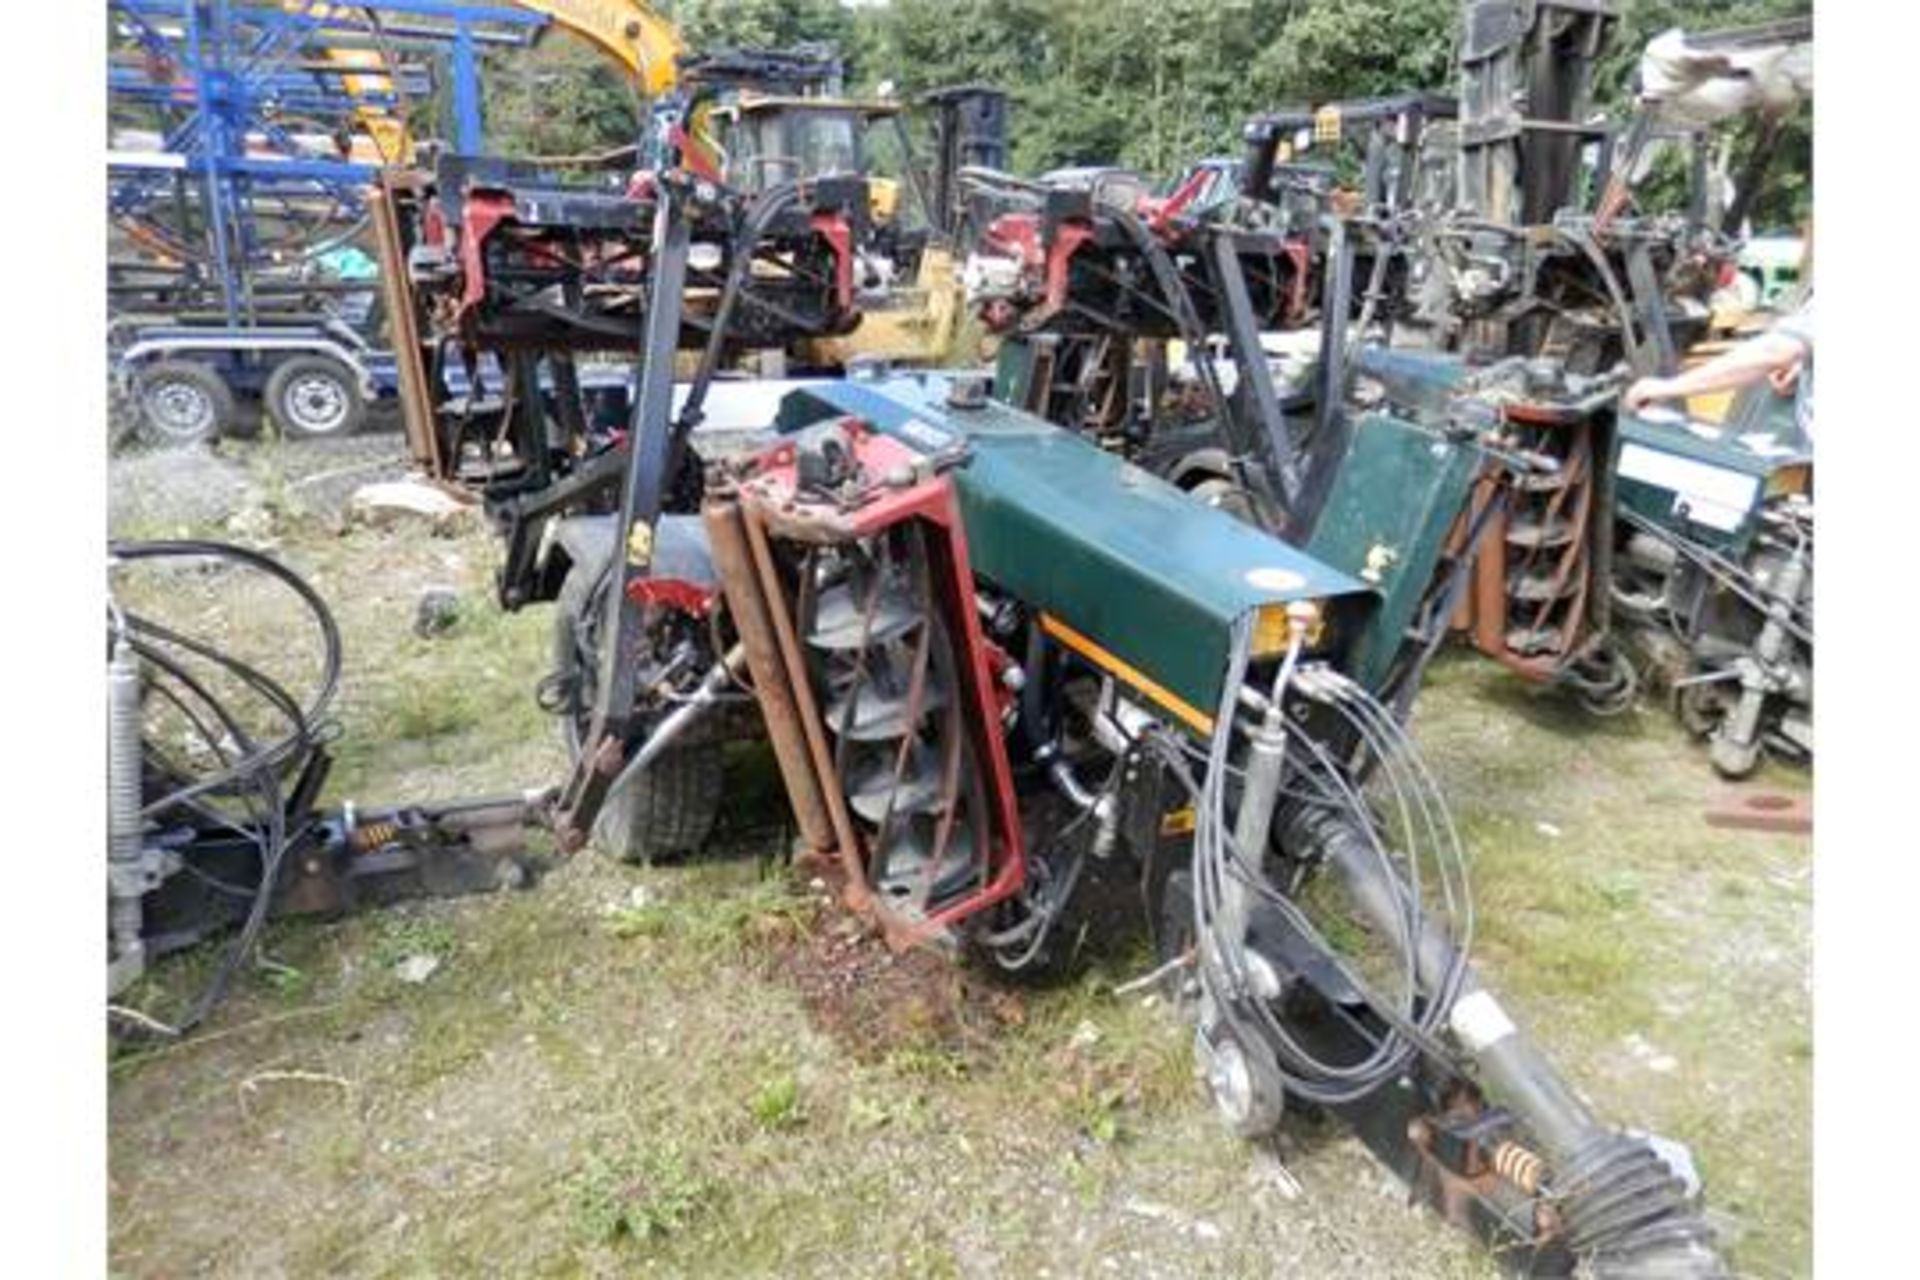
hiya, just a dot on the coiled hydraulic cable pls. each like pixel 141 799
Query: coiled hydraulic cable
pixel 1415 1013
pixel 244 790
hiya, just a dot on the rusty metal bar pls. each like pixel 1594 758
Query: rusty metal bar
pixel 772 686
pixel 416 404
pixel 858 892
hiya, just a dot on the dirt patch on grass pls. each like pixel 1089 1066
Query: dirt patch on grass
pixel 877 1003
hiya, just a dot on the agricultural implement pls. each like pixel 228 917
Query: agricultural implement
pixel 989 655
pixel 1416 376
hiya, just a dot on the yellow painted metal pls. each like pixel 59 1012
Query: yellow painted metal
pixel 915 324
pixel 1273 629
pixel 639 38
pixel 1114 665
pixel 384 133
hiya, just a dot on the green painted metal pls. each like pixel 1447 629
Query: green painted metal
pixel 1146 572
pixel 1702 482
pixel 1398 493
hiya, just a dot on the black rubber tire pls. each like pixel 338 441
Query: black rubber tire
pixel 668 812
pixel 314 397
pixel 182 402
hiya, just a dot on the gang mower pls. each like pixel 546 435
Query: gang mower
pixel 994 662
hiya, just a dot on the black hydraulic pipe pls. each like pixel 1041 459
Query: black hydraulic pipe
pixel 650 450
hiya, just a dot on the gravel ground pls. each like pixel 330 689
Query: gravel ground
pixel 154 490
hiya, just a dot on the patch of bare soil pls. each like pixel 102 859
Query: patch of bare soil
pixel 874 1001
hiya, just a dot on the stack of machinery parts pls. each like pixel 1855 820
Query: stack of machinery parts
pixel 1477 315
pixel 988 652
pixel 802 258
pixel 215 767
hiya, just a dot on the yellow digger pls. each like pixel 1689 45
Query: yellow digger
pixel 910 292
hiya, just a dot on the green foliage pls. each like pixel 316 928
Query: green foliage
pixel 562 97
pixel 765 24
pixel 776 1103
pixel 637 1193
pixel 713 926
pixel 1364 48
pixel 1152 84
pixel 404 936
pixel 1149 83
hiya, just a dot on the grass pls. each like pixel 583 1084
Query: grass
pixel 637 1193
pixel 603 1077
pixel 776 1104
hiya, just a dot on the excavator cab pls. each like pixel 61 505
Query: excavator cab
pixel 774 139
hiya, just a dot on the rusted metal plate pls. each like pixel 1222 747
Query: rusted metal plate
pixel 1775 811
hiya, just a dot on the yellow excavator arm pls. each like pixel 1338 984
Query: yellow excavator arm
pixel 640 39
pixel 387 133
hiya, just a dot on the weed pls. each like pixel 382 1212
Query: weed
pixel 927 1062
pixel 649 921
pixel 866 1114
pixel 1097 1114
pixel 1619 895
pixel 405 936
pixel 1089 1184
pixel 712 922
pixel 287 982
pixel 776 1104
pixel 638 1193
pixel 422 711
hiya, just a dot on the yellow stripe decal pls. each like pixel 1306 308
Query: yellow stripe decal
pixel 1194 717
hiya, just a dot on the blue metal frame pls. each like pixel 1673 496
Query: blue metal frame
pixel 240 68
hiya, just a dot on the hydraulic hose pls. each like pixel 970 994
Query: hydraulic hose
pixel 243 791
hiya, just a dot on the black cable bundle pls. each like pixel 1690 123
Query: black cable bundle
pixel 244 792
pixel 1420 831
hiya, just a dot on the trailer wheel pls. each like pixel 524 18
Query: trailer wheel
pixel 182 401
pixel 667 812
pixel 315 396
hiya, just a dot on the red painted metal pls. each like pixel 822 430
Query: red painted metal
pixel 833 228
pixel 1066 242
pixel 925 496
pixel 481 212
pixel 677 594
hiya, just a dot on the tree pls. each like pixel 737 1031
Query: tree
pixel 1364 48
pixel 760 24
pixel 561 97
